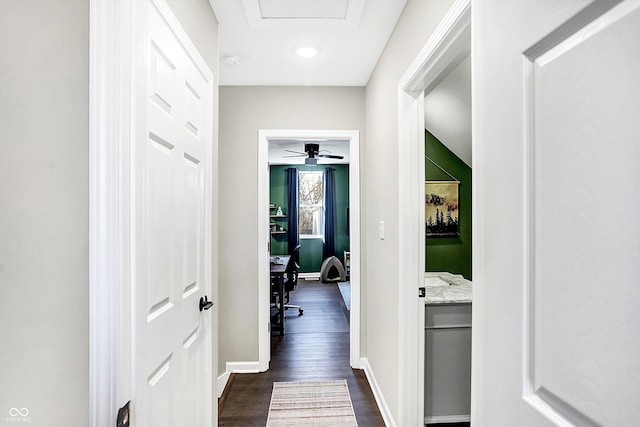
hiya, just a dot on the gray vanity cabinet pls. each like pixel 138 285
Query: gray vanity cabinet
pixel 447 362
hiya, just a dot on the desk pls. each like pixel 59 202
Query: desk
pixel 279 266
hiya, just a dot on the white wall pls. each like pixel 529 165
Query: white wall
pixel 380 161
pixel 44 236
pixel 243 111
pixel 44 89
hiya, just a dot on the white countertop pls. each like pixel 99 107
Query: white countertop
pixel 447 288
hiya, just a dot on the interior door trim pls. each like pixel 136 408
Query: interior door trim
pixel 264 135
pixel 445 49
pixel 109 136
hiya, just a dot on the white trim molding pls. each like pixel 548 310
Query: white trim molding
pixel 377 394
pixel 447 47
pixel 236 368
pixel 256 21
pixel 444 419
pixel 243 367
pixel 109 130
pixel 264 135
pixel 222 382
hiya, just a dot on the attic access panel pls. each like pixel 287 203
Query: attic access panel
pixel 303 9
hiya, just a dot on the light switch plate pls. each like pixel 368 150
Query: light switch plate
pixel 381 230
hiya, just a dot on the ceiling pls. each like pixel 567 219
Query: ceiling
pixel 258 40
pixel 447 111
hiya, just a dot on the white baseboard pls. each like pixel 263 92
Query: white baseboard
pixel 222 382
pixel 359 364
pixel 436 419
pixel 375 388
pixel 244 367
pixel 237 368
pixel 309 276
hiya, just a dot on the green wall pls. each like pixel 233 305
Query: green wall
pixel 310 249
pixel 452 254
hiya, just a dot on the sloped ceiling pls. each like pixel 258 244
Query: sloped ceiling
pixel 447 111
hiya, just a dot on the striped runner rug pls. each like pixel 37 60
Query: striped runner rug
pixel 314 403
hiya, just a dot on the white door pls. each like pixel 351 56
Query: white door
pixel 171 226
pixel 556 110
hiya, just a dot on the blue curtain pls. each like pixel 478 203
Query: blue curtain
pixel 329 246
pixel 293 238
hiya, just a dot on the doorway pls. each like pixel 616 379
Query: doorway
pixel 265 137
pixel 448 215
pixel 152 219
pixel 447 47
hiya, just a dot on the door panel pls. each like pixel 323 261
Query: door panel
pixel 585 154
pixel 555 334
pixel 173 359
pixel 192 231
pixel 159 230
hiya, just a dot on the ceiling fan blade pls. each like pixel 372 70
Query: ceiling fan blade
pixel 296 155
pixel 331 156
pixel 297 152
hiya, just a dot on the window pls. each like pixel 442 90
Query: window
pixel 311 215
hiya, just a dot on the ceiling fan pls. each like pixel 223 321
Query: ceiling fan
pixel 312 151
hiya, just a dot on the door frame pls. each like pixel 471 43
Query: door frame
pixel 112 37
pixel 264 136
pixel 445 49
pixel 110 71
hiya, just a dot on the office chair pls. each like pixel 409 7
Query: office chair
pixel 291 279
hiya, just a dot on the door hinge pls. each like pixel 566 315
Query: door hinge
pixel 123 416
pixel 422 292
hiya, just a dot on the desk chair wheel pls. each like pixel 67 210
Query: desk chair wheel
pixel 300 312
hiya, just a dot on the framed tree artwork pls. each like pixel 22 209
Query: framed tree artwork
pixel 441 208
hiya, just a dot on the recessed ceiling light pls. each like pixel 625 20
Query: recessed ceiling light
pixel 307 52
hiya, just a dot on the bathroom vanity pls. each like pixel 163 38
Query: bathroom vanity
pixel 447 348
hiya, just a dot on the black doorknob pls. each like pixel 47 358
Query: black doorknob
pixel 205 304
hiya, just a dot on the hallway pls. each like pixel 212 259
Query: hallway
pixel 315 347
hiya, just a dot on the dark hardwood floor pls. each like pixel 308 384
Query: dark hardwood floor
pixel 315 347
